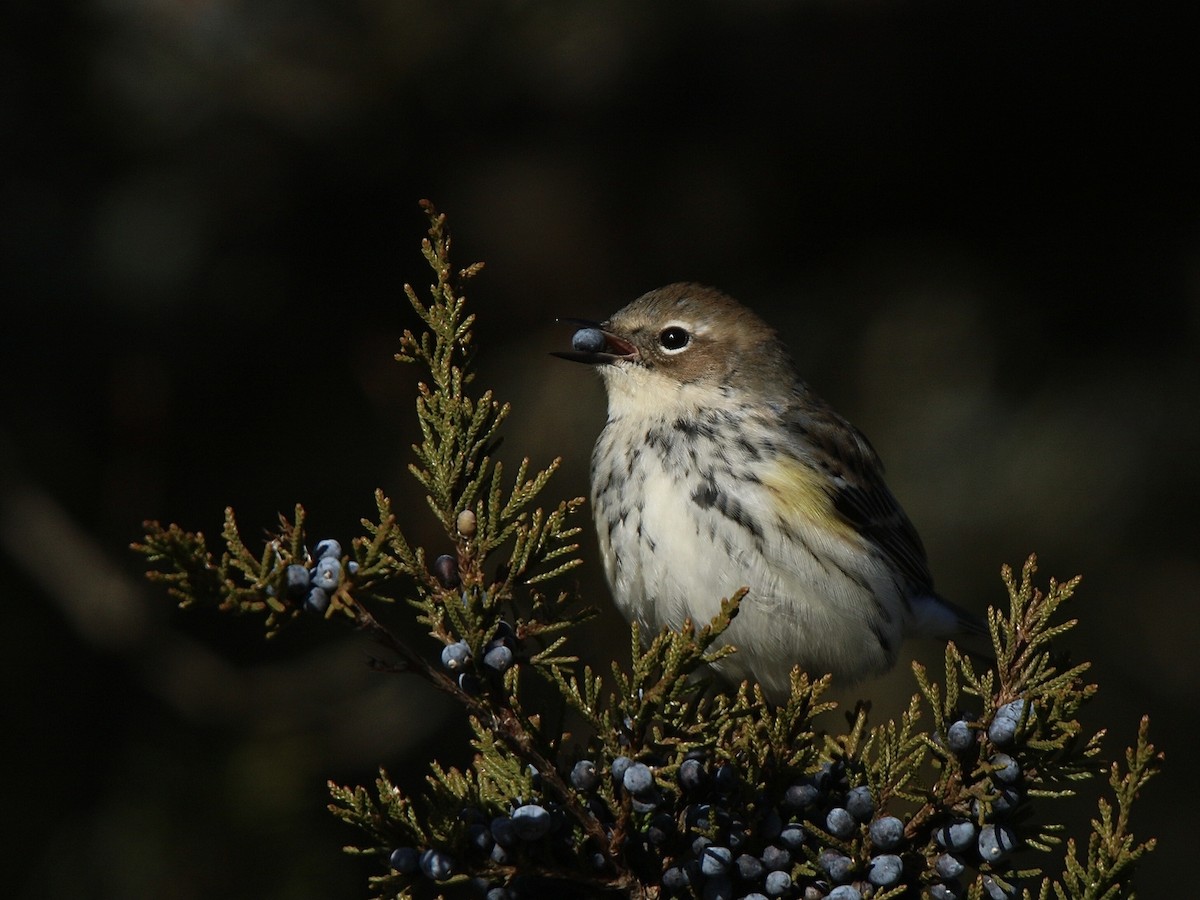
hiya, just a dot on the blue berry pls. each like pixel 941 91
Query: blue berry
pixel 887 833
pixel 499 658
pixel 352 567
pixel 436 865
pixel 1004 802
pixel 792 836
pixel 839 822
pixel 445 570
pixel 646 802
pixel 692 776
pixel 994 890
pixel 327 573
pixel 531 821
pixel 715 860
pixel 328 548
pixel 844 892
pixel 456 656
pixel 948 866
pixel 956 835
pixel 960 736
pixel 996 842
pixel 584 776
pixel 1007 770
pixel 619 765
pixel 317 601
pixel 638 778
pixel 588 340
pixel 800 796
pixel 837 866
pixel 860 804
pixel 661 829
pixel 776 858
pixel 296 581
pixel 468 683
pixel 504 832
pixel 885 870
pixel 675 878
pixel 754 895
pixel 948 890
pixel 479 837
pixel 1003 728
pixel 726 779
pixel 405 860
pixel 749 868
pixel 777 883
pixel 498 893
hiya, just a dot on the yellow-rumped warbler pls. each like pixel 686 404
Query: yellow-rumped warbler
pixel 719 468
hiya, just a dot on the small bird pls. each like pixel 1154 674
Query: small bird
pixel 719 468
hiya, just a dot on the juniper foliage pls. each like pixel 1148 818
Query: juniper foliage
pixel 743 796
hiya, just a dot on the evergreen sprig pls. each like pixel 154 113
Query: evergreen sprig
pixel 665 784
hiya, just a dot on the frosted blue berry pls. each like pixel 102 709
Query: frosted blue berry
pixel 588 340
pixel 726 779
pixel 800 796
pixel 839 822
pixel 499 658
pixel 887 833
pixel 692 775
pixel 994 890
pixel 328 548
pixel 1003 803
pixel 776 858
pixel 996 842
pixel 754 895
pixel 792 836
pixel 646 802
pixel 479 838
pixel 749 868
pixel 296 581
pixel 498 893
pixel 531 822
pixel 326 573
pixel 884 870
pixel 638 778
pixel 776 884
pixel 352 567
pixel 1003 728
pixel 675 878
pixel 436 865
pixel 469 684
pixel 584 776
pixel 837 866
pixel 405 860
pixel 1007 770
pixel 960 736
pixel 948 890
pixel 844 892
pixel 860 804
pixel 948 866
pixel 661 828
pixel 619 765
pixel 456 656
pixel 715 860
pixel 956 835
pixel 317 601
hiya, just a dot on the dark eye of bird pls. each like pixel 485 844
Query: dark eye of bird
pixel 674 338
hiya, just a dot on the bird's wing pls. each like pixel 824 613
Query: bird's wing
pixel 860 496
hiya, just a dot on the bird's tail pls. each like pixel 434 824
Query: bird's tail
pixel 936 616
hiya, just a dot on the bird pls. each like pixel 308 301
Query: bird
pixel 718 468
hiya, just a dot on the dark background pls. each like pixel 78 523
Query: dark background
pixel 978 230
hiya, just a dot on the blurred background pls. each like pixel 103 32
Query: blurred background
pixel 978 230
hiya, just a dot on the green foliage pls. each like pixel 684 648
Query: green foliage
pixel 760 765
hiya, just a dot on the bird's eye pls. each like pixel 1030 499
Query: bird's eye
pixel 674 338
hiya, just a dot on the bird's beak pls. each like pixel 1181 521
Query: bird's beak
pixel 599 347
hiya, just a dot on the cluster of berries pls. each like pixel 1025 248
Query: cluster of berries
pixel 311 587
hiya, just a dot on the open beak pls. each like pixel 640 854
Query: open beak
pixel 593 345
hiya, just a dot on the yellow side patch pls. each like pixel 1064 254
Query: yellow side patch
pixel 802 497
